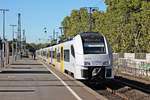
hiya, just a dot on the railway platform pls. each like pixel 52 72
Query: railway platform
pixel 29 79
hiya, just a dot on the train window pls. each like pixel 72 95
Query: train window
pixel 62 53
pixel 58 57
pixel 93 44
pixel 41 53
pixel 44 53
pixel 72 51
pixel 66 56
pixel 49 53
pixel 55 53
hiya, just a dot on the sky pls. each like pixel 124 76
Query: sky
pixel 37 14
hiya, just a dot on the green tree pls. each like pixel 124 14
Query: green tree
pixel 125 24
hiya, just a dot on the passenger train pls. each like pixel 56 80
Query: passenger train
pixel 87 56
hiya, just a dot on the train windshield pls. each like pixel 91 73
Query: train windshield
pixel 93 43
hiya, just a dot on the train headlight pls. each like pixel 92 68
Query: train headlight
pixel 105 63
pixel 87 63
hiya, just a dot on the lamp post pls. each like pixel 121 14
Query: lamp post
pixel 90 10
pixel 3 51
pixel 13 50
pixel 13 32
pixel 62 30
pixel 3 11
pixel 16 43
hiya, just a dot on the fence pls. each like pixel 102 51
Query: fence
pixel 134 67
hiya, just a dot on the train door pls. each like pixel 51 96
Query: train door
pixel 62 59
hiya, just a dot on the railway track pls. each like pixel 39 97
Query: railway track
pixel 121 89
pixel 134 84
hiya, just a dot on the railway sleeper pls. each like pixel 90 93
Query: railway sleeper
pixel 115 92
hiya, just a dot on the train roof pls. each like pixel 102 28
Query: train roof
pixel 82 34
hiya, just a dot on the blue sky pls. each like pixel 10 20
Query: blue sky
pixel 37 14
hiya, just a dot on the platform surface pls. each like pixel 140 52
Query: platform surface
pixel 29 79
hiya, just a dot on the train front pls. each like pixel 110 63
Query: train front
pixel 94 56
